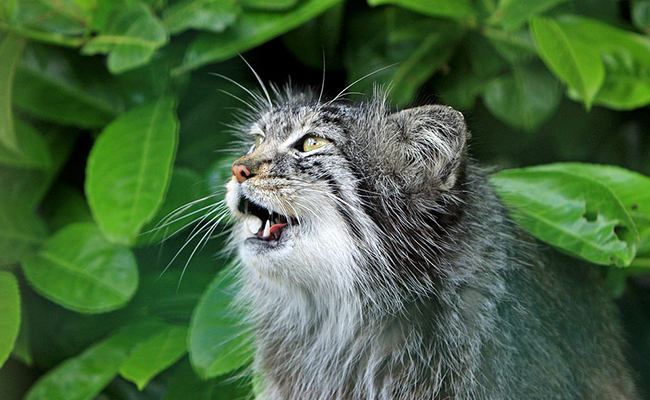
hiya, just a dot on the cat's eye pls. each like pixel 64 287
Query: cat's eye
pixel 313 142
pixel 258 141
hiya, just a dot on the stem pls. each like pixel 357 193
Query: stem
pixel 640 262
pixel 53 38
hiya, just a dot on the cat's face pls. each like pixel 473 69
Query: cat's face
pixel 292 194
pixel 324 189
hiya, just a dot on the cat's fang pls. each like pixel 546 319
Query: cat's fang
pixel 253 225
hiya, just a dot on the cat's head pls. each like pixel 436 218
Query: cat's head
pixel 325 188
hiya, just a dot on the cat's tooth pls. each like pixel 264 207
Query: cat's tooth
pixel 267 229
pixel 253 225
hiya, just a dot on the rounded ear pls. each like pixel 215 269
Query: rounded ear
pixel 433 140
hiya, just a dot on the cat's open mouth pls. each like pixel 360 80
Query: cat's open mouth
pixel 263 224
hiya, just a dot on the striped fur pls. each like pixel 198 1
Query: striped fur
pixel 403 277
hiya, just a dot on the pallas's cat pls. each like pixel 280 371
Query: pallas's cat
pixel 376 262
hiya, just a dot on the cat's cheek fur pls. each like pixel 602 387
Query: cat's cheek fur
pixel 319 258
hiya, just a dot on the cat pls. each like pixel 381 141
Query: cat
pixel 378 263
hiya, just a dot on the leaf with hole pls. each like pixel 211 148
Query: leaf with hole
pixel 572 212
pixel 129 169
pixel 631 188
pixel 9 314
pixel 218 341
pixel 80 270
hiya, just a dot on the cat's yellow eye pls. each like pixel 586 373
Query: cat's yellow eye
pixel 258 141
pixel 312 142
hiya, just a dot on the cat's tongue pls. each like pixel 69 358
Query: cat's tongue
pixel 271 232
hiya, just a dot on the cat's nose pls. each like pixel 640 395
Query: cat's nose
pixel 240 172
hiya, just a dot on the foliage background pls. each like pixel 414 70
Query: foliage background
pixel 111 118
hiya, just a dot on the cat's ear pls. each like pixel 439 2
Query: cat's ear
pixel 434 139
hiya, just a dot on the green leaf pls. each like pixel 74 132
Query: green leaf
pixel 632 189
pixel 31 150
pixel 58 87
pixel 416 47
pixel 641 14
pixel 184 204
pixel 515 13
pixel 524 98
pixel 512 46
pixel 218 341
pixel 84 376
pixel 206 15
pixel 574 213
pixel 130 38
pixel 251 29
pixel 185 381
pixel 78 269
pixel 21 231
pixel 458 9
pixel 129 169
pixel 9 314
pixel 576 63
pixel 64 17
pixel 11 47
pixel 155 355
pixel 626 56
pixel 270 5
pixel 427 58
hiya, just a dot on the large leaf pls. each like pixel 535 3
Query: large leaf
pixel 130 37
pixel 11 47
pixel 9 314
pixel 458 9
pixel 515 13
pixel 65 17
pixel 632 189
pixel 129 169
pixel 575 62
pixel 218 341
pixel 155 355
pixel 570 211
pixel 84 376
pixel 59 87
pixel 78 269
pixel 524 98
pixel 251 29
pixel 206 15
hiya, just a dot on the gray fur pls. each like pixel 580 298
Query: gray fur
pixel 405 278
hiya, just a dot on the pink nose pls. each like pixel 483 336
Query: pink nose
pixel 240 172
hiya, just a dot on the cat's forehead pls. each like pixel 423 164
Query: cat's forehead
pixel 288 119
